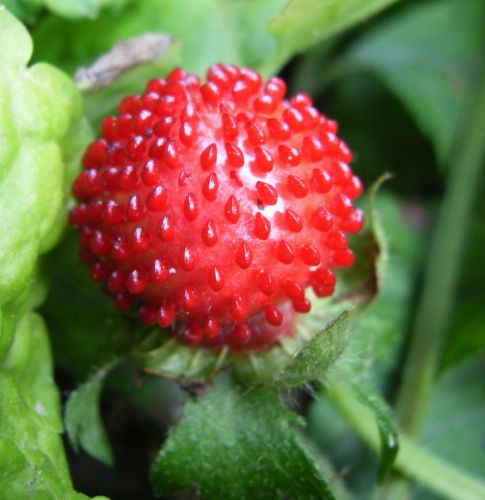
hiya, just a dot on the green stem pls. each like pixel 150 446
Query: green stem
pixel 422 466
pixel 442 273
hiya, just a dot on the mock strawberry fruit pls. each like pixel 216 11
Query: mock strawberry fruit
pixel 212 207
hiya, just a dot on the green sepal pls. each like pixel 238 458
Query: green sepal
pixel 176 361
pixel 318 354
pixel 362 283
pixel 319 339
pixel 82 417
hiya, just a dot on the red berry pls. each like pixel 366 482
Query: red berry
pixel 215 206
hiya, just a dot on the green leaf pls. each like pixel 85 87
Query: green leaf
pixel 38 107
pixel 305 22
pixel 32 460
pixel 385 423
pixel 209 31
pixel 237 443
pixel 430 56
pixel 83 420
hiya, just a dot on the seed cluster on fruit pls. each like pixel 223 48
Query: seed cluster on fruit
pixel 212 207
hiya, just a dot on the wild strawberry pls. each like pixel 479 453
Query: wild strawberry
pixel 212 207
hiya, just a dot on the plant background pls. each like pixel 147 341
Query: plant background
pixel 406 82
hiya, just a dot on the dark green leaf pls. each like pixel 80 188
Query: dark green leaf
pixel 238 443
pixel 430 57
pixel 467 337
pixel 414 461
pixel 382 133
pixel 83 420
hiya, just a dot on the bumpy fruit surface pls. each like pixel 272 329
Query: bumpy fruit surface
pixel 212 207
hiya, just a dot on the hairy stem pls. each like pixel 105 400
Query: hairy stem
pixel 442 272
pixel 415 463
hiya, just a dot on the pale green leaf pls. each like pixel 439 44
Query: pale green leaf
pixel 39 106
